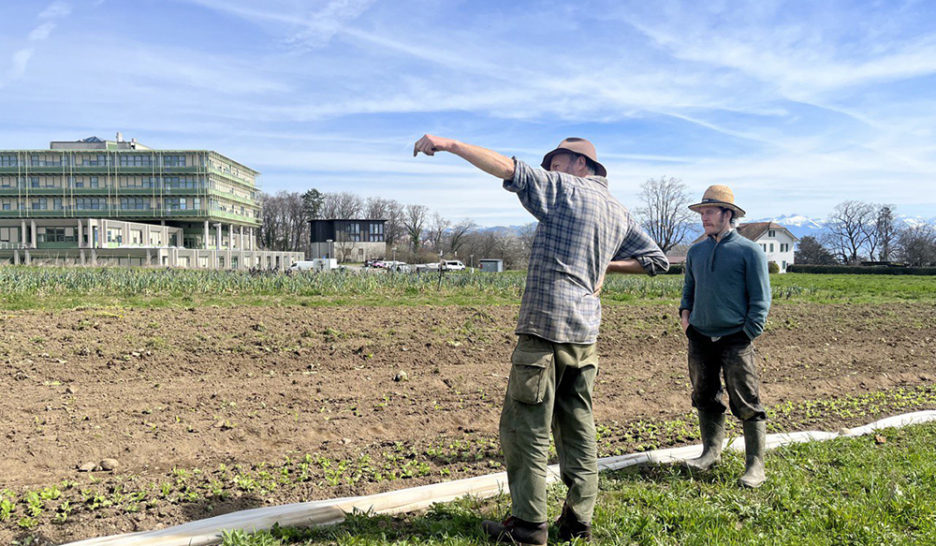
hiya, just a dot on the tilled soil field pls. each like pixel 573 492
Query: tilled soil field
pixel 209 410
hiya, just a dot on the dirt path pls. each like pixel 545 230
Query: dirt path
pixel 187 389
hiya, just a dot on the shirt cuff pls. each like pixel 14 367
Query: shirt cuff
pixel 647 264
pixel 516 183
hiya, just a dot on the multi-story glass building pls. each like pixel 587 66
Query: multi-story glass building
pixel 97 201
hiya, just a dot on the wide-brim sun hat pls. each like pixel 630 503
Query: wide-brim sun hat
pixel 718 196
pixel 579 146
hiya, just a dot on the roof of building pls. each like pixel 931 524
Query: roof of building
pixel 755 230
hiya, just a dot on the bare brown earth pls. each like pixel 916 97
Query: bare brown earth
pixel 194 389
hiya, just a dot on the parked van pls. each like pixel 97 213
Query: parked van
pixel 302 265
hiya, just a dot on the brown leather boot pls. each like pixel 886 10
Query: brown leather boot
pixel 516 531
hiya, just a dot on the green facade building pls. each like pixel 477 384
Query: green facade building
pixel 102 201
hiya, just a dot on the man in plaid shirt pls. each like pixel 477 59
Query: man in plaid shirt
pixel 583 231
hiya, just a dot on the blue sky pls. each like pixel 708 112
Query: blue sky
pixel 797 105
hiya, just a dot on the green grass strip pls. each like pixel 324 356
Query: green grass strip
pixel 875 489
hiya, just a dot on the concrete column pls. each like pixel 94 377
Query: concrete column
pixel 83 258
pixel 16 257
pixel 218 237
pixel 251 240
pixel 230 236
pixel 80 233
pixel 24 235
pixel 26 256
pixel 206 235
pixel 35 235
pixel 241 241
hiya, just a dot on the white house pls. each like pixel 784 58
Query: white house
pixel 775 240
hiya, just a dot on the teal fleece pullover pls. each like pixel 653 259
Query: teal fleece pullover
pixel 727 287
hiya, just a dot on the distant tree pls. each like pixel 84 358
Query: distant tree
pixel 885 232
pixel 849 226
pixel 284 225
pixel 916 246
pixel 810 251
pixel 312 202
pixel 414 221
pixel 437 228
pixel 458 233
pixel 664 214
pixel 395 228
pixel 377 208
pixel 342 206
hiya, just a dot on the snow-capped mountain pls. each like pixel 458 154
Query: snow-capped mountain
pixel 799 225
pixel 802 226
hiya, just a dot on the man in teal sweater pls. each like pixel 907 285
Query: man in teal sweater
pixel 726 297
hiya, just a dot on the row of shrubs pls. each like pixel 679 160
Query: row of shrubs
pixel 677 269
pixel 860 269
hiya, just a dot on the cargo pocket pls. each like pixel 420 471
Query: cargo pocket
pixel 529 374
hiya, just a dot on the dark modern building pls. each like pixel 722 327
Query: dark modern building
pixel 348 240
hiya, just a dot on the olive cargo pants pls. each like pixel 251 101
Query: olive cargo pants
pixel 550 388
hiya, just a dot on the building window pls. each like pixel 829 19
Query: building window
pixel 174 160
pixel 8 161
pixel 98 160
pixel 353 232
pixel 56 235
pixel 376 233
pixel 134 203
pixel 39 204
pixel 176 203
pixel 89 203
pixel 136 160
pixel 771 247
pixel 771 233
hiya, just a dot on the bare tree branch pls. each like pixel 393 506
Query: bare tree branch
pixel 664 214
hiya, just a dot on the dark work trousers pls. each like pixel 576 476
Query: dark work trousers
pixel 733 357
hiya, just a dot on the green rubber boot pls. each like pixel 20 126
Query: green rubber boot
pixel 712 427
pixel 755 438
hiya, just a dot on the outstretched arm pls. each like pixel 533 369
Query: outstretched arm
pixel 488 161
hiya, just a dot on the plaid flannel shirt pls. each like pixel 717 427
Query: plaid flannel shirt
pixel 582 228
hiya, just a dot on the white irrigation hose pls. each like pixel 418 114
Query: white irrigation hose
pixel 208 531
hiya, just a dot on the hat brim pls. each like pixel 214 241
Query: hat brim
pixel 599 168
pixel 721 204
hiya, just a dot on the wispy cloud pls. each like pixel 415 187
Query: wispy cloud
pixel 20 59
pixel 795 103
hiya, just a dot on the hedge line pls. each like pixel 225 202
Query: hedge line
pixel 860 269
pixel 675 269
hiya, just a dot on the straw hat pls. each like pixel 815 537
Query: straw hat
pixel 579 146
pixel 718 196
